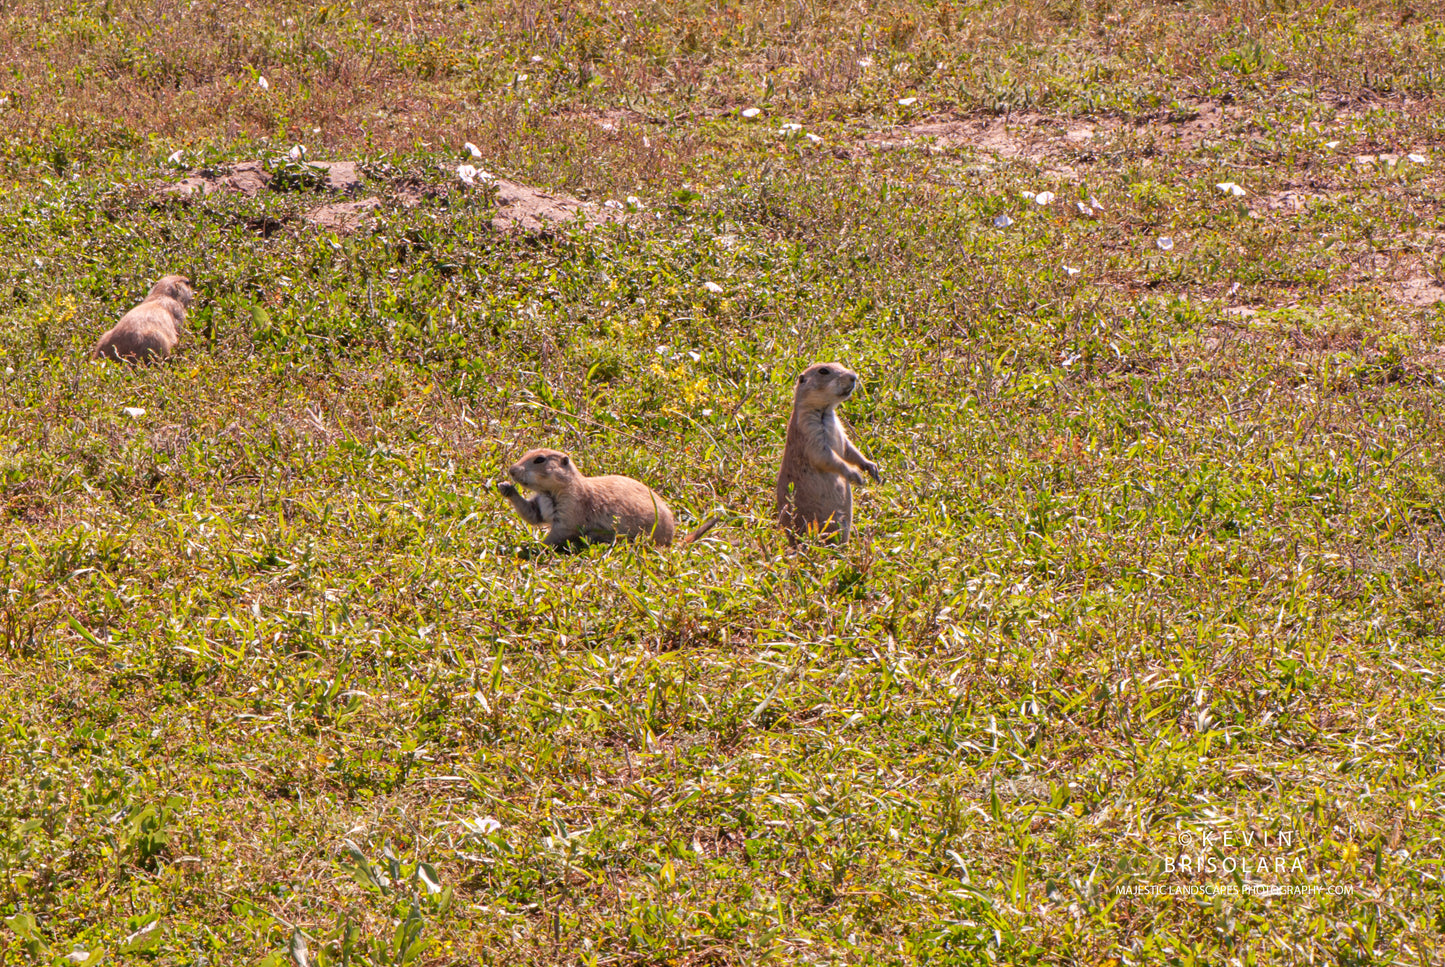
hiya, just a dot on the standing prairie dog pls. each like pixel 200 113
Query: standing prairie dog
pixel 152 329
pixel 579 509
pixel 815 490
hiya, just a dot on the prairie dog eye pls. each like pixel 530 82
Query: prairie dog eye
pixel 540 460
pixel 825 371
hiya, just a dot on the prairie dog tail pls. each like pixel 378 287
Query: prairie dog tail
pixel 712 521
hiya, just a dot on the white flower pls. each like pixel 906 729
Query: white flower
pixel 662 350
pixel 472 150
pixel 1044 198
pixel 468 174
pixel 612 203
pixel 1230 188
pixel 634 202
pixel 1002 221
pixel 713 287
pixel 536 58
pixel 1332 144
pixel 78 956
pixel 707 412
pixel 134 412
pixel 176 157
pixel 865 62
pixel 262 83
pixel 1418 159
pixel 751 112
pixel 521 78
pixel 813 137
pixel 790 128
pixel 296 153
pixel 482 827
pixel 908 101
pixel 1028 195
pixel 1094 204
pixel 694 356
pixel 1070 271
pixel 1164 242
pixel 1084 209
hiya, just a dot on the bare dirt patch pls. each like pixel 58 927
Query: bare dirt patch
pixel 524 209
pixel 342 217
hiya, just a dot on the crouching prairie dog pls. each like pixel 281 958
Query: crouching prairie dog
pixel 152 329
pixel 820 464
pixel 578 509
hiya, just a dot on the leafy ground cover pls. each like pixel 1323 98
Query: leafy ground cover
pixel 1145 616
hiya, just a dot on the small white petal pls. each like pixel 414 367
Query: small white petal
pixel 1230 188
pixel 134 412
pixel 612 203
pixel 865 62
pixel 694 356
pixel 908 101
pixel 472 150
pixel 521 78
pixel 1332 144
pixel 78 956
pixel 262 83
pixel 467 174
pixel 712 287
pixel 751 112
pixel 536 58
pixel 1084 209
pixel 813 137
pixel 1095 204
pixel 296 153
pixel 791 127
pixel 1070 270
pixel 1164 242
pixel 9 370
pixel 1418 159
pixel 634 202
pixel 1044 198
pixel 1002 221
pixel 662 350
pixel 176 157
pixel 707 412
pixel 1028 195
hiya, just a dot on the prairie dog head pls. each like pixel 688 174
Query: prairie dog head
pixel 177 287
pixel 824 385
pixel 546 471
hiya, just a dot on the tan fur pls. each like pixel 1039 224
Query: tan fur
pixel 152 329
pixel 815 483
pixel 579 509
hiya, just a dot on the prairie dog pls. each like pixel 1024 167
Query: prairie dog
pixel 815 484
pixel 152 329
pixel 578 509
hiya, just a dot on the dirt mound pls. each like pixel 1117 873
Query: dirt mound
pixel 524 209
pixel 250 178
pixel 342 217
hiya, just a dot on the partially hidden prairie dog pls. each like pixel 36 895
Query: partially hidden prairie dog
pixel 152 329
pixel 815 490
pixel 578 509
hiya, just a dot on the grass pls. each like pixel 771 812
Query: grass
pixel 1153 581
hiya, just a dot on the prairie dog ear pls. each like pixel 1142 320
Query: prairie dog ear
pixel 563 461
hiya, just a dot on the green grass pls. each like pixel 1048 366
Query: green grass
pixel 1157 554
